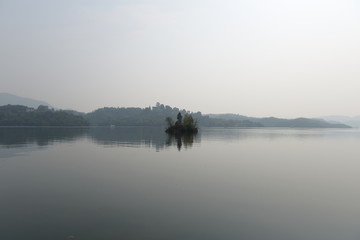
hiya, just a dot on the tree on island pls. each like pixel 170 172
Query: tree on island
pixel 182 125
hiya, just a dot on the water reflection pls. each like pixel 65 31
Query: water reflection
pixel 180 140
pixel 239 184
pixel 151 137
pixel 15 141
pixel 15 137
pixel 239 134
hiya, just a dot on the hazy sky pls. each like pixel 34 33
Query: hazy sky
pixel 284 58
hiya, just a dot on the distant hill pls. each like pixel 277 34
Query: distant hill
pixel 280 122
pixel 351 121
pixel 7 98
pixel 155 116
pixel 152 116
pixel 18 115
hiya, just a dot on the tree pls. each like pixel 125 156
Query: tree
pixel 185 125
pixel 189 122
pixel 169 121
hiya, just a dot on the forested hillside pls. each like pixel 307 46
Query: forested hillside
pixel 17 115
pixel 155 116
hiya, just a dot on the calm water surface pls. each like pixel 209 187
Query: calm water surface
pixel 137 183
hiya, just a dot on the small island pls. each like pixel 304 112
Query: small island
pixel 186 125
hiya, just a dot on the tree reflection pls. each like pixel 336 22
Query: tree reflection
pixel 181 140
pixel 151 137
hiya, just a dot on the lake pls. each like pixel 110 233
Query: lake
pixel 138 183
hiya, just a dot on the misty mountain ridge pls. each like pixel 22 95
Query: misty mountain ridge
pixel 351 121
pixel 156 115
pixel 10 99
pixel 281 122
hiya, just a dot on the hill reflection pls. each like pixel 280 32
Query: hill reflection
pixel 41 136
pixel 17 138
pixel 152 137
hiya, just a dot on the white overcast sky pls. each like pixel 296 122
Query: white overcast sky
pixel 283 58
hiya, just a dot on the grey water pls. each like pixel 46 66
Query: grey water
pixel 139 183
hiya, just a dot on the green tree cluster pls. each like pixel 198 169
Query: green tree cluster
pixel 186 125
pixel 189 121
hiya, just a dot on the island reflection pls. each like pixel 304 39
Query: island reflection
pixel 185 140
pixel 152 137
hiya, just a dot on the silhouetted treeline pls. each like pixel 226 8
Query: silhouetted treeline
pixel 155 116
pixel 17 115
